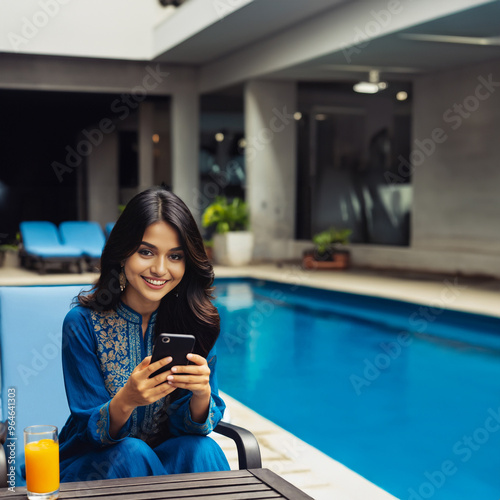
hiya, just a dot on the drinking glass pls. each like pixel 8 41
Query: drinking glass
pixel 41 455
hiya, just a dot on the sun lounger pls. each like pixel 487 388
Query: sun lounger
pixel 85 235
pixel 41 245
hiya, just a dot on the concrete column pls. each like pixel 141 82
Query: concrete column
pixel 185 144
pixel 102 181
pixel 162 150
pixel 271 164
pixel 145 142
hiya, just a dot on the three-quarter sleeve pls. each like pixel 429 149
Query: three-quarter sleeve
pixel 87 395
pixel 180 420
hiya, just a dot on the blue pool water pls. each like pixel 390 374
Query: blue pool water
pixel 407 396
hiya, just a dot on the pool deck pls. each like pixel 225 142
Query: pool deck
pixel 309 469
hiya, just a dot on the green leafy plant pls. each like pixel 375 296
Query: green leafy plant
pixel 226 216
pixel 326 241
pixel 13 245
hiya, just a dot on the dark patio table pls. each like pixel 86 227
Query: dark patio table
pixel 243 484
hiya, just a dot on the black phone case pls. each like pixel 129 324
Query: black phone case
pixel 177 345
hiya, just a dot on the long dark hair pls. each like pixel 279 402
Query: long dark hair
pixel 186 309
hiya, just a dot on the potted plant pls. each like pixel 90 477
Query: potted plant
pixel 328 252
pixel 233 242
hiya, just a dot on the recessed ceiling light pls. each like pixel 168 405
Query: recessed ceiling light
pixel 372 86
pixel 219 136
pixel 297 115
pixel 366 88
pixel 402 95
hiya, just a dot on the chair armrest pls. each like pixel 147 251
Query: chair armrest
pixel 3 432
pixel 246 444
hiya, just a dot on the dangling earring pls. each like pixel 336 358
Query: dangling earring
pixel 123 280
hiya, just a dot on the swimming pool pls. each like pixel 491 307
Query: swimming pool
pixel 407 396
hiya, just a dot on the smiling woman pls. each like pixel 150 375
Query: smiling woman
pixel 155 277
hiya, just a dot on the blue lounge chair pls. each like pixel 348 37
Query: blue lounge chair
pixel 41 245
pixel 30 356
pixel 85 235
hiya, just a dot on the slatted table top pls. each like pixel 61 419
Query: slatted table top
pixel 231 485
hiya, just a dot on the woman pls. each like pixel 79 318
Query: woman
pixel 155 277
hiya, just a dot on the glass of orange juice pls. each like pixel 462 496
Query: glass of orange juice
pixel 41 456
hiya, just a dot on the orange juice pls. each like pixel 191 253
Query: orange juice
pixel 42 466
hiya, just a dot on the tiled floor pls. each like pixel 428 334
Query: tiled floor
pixel 320 476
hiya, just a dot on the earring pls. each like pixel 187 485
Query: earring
pixel 123 280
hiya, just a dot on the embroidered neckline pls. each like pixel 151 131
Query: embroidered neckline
pixel 129 314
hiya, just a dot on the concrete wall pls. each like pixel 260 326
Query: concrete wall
pixel 270 157
pixel 456 160
pixel 185 111
pixel 145 133
pixel 102 181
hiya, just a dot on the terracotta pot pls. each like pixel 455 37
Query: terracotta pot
pixel 340 261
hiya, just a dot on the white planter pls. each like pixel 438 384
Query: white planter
pixel 234 248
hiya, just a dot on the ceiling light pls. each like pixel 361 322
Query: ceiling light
pixel 366 88
pixel 402 95
pixel 297 115
pixel 372 86
pixel 219 136
pixel 168 3
pixel 320 117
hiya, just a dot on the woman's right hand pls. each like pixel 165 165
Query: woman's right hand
pixel 140 390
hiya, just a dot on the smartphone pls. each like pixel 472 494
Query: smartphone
pixel 177 345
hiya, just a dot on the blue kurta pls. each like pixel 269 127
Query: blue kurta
pixel 100 351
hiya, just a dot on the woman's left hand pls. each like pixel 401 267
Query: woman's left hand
pixel 194 377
